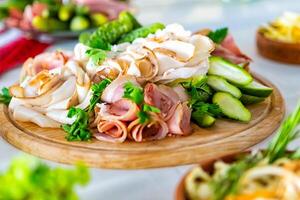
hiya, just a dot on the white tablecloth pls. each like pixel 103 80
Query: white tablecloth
pixel 242 19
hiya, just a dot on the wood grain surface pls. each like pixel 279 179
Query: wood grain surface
pixel 225 137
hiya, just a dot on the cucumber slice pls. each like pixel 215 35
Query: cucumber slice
pixel 205 121
pixel 256 89
pixel 231 72
pixel 231 107
pixel 221 85
pixel 248 99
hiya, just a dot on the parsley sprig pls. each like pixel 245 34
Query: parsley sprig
pixel 197 89
pixel 97 90
pixel 136 94
pixel 200 109
pixel 97 55
pixel 5 96
pixel 143 114
pixel 133 92
pixel 79 130
pixel 218 35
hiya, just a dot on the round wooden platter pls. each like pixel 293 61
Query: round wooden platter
pixel 225 137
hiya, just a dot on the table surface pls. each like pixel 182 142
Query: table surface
pixel 243 20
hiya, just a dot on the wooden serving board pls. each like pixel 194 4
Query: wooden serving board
pixel 225 137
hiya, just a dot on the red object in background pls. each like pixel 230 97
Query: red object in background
pixel 19 51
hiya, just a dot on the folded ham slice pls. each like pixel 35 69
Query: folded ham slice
pixel 230 51
pixel 179 123
pixel 44 61
pixel 155 129
pixel 112 131
pixel 123 110
pixel 162 97
pixel 115 91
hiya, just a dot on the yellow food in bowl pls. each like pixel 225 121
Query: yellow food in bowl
pixel 285 28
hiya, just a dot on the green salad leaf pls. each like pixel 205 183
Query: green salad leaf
pixel 218 35
pixel 5 96
pixel 79 130
pixel 97 55
pixel 133 92
pixel 97 90
pixel 30 179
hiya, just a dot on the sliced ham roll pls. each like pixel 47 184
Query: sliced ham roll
pixel 230 51
pixel 123 110
pixel 112 131
pixel 155 129
pixel 44 61
pixel 141 63
pixel 115 91
pixel 181 92
pixel 25 114
pixel 162 97
pixel 179 123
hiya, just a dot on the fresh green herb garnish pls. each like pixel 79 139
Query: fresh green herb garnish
pixel 5 97
pixel 143 114
pixel 79 130
pixel 227 184
pixel 97 55
pixel 218 35
pixel 149 108
pixel 97 90
pixel 136 94
pixel 29 179
pixel 133 92
pixel 198 90
pixel 286 133
pixel 200 109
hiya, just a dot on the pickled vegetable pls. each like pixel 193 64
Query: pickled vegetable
pixel 66 12
pixel 110 32
pixel 79 23
pixel 231 72
pixel 98 19
pixel 232 107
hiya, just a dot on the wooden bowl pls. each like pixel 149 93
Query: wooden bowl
pixel 277 50
pixel 180 193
